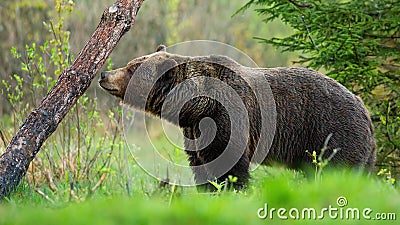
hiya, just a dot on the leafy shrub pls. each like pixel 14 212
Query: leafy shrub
pixel 355 42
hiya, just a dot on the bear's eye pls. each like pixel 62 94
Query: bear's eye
pixel 132 69
pixel 129 71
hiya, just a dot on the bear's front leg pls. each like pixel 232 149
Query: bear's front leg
pixel 239 174
pixel 208 166
pixel 236 178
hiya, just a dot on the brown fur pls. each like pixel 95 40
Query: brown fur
pixel 309 107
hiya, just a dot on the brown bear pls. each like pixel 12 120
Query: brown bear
pixel 309 108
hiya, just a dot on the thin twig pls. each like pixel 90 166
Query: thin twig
pixel 102 178
pixel 171 197
pixel 49 179
pixel 110 153
pixel 381 36
pixel 72 194
pixel 324 148
pixel 3 139
pixel 309 33
pixel 44 195
pixel 300 5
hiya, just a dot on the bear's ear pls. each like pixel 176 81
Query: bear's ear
pixel 161 48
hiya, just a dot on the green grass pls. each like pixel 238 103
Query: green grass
pixel 128 195
pixel 278 188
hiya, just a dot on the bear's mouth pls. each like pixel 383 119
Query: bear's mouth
pixel 111 90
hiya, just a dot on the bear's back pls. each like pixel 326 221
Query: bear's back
pixel 310 107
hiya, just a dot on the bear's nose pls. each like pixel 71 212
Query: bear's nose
pixel 103 75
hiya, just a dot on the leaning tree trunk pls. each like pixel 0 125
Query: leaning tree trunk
pixel 72 83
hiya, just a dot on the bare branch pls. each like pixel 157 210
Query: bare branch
pixel 49 180
pixel 3 138
pixel 72 83
pixel 97 185
pixel 72 194
pixel 41 193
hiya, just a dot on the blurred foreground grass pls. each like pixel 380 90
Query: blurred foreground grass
pixel 278 188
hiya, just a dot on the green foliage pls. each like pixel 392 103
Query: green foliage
pixel 223 186
pixel 386 176
pixel 60 49
pixel 278 188
pixel 355 42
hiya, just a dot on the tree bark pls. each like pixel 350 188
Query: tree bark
pixel 72 83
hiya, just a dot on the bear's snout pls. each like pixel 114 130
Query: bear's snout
pixel 114 82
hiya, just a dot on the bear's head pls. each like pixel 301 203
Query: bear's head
pixel 171 86
pixel 116 81
pixel 145 82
